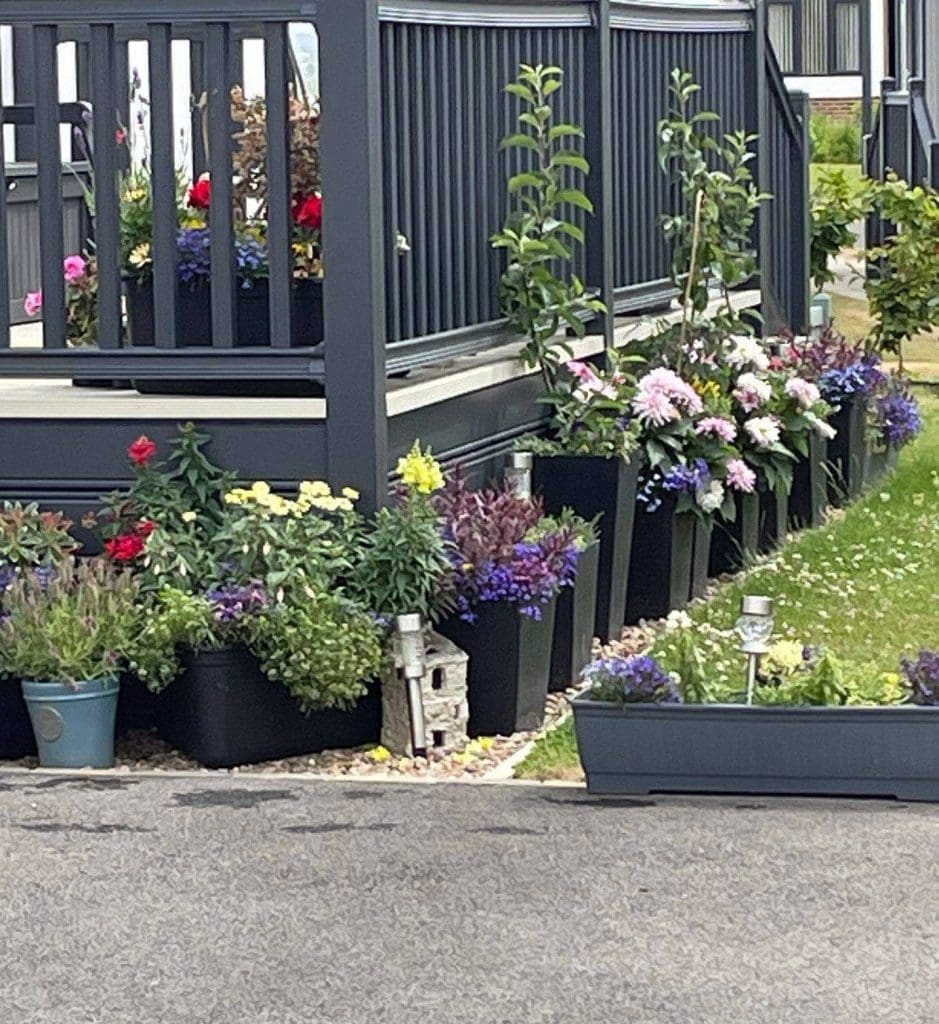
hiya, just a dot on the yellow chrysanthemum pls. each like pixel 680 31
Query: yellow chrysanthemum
pixel 420 471
pixel 706 388
pixel 189 517
pixel 786 655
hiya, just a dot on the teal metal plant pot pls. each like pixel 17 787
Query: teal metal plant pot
pixel 74 725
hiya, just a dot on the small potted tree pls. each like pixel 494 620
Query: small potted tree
pixel 66 632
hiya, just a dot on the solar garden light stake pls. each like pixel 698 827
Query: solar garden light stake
pixel 518 467
pixel 410 629
pixel 755 627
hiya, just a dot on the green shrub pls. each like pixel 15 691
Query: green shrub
pixel 835 140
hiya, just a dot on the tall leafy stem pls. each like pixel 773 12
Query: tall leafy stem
pixel 539 234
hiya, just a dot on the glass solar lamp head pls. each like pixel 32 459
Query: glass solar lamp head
pixel 410 630
pixel 754 627
pixel 518 466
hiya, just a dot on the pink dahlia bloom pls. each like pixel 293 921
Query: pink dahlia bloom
pixel 716 426
pixel 740 477
pixel 74 268
pixel 669 384
pixel 654 408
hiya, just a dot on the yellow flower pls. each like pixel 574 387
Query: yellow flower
pixel 193 223
pixel 786 655
pixel 351 493
pixel 486 742
pixel 190 517
pixel 420 471
pixel 260 489
pixel 239 496
pixel 379 754
pixel 706 388
pixel 315 489
pixel 139 255
pixel 891 678
pixel 135 195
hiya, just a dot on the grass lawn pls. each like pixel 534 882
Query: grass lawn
pixel 866 585
pixel 851 171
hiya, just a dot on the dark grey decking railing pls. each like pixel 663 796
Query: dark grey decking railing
pixel 413 108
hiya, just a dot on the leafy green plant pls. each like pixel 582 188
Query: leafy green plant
pixel 835 140
pixel 68 625
pixel 582 532
pixel 539 235
pixel 171 620
pixel 903 279
pixel 29 537
pixel 710 235
pixel 836 205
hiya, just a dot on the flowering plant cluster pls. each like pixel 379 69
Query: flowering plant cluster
pixel 922 676
pixel 896 417
pixel 501 550
pixel 81 300
pixel 634 680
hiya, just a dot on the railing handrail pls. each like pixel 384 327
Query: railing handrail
pixel 143 12
pixel 780 93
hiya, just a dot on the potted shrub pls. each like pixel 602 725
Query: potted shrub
pixel 507 584
pixel 31 543
pixel 668 721
pixel 65 632
pixel 587 465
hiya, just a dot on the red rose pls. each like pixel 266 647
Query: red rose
pixel 200 195
pixel 141 451
pixel 125 548
pixel 308 213
pixel 144 528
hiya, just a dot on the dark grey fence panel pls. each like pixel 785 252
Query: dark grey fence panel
pixel 444 113
pixel 642 64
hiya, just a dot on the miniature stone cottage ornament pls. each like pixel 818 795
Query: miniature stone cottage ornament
pixel 442 688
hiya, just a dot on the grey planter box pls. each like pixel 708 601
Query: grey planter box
pixel 715 748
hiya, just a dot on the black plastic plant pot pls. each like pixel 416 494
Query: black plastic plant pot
pixel 224 712
pixel 808 498
pixel 137 708
pixel 661 563
pixel 774 519
pixel 714 748
pixel 735 544
pixel 16 731
pixel 572 646
pixel 509 664
pixel 593 486
pixel 703 529
pixel 847 452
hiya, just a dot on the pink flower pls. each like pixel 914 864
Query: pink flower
pixel 803 391
pixel 751 392
pixel 591 384
pixel 717 426
pixel 668 383
pixel 740 477
pixel 655 408
pixel 32 305
pixel 74 268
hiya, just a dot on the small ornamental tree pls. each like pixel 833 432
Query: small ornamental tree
pixel 711 235
pixel 836 204
pixel 539 235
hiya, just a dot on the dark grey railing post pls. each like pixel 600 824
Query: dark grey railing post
pixel 598 128
pixel 354 246
pixel 864 28
pixel 800 200
pixel 934 164
pixel 916 89
pixel 757 125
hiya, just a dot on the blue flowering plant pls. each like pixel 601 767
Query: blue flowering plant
pixel 896 419
pixel 843 370
pixel 503 551
pixel 639 679
pixel 194 257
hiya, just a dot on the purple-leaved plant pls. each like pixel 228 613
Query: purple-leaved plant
pixel 922 673
pixel 233 602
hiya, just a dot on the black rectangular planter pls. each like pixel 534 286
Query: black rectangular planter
pixel 734 544
pixel 774 519
pixel 808 499
pixel 573 624
pixel 593 486
pixel 880 462
pixel 223 711
pixel 701 748
pixel 661 564
pixel 16 730
pixel 847 452
pixel 509 663
pixel 701 557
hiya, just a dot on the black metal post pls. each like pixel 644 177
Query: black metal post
pixel 354 238
pixel 864 20
pixel 801 244
pixel 757 125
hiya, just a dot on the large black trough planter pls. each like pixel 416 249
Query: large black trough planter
pixel 808 499
pixel 223 711
pixel 774 519
pixel 593 486
pixel 847 452
pixel 661 565
pixel 734 544
pixel 701 748
pixel 573 624
pixel 880 462
pixel 509 664
pixel 252 330
pixel 701 557
pixel 16 731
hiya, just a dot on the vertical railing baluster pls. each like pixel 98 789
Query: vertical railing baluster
pixel 106 213
pixel 276 75
pixel 163 184
pixel 4 251
pixel 218 87
pixel 197 95
pixel 49 180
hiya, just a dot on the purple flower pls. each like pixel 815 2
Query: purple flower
pixel 636 680
pixel 194 257
pixel 232 602
pixel 923 677
pixel 44 575
pixel 896 414
pixel 687 478
pixel 8 574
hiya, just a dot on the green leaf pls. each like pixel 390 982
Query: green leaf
pixel 574 197
pixel 569 158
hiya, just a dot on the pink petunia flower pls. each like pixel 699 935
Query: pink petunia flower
pixel 740 477
pixel 74 268
pixel 32 305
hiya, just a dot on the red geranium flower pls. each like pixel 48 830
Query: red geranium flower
pixel 141 451
pixel 200 195
pixel 145 527
pixel 126 547
pixel 308 213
